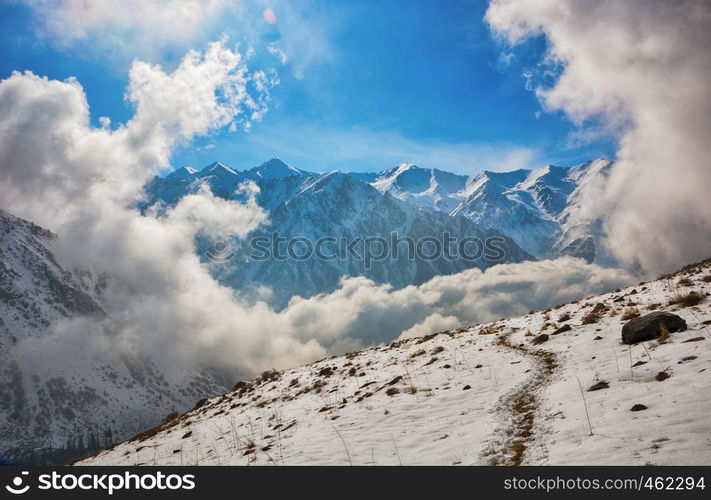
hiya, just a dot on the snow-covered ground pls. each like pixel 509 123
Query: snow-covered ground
pixel 488 394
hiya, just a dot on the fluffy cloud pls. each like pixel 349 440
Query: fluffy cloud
pixel 82 181
pixel 51 156
pixel 371 313
pixel 120 24
pixel 643 67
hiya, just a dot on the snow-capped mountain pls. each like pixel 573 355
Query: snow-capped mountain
pixel 275 169
pixel 431 188
pixel 554 387
pixel 426 187
pixel 539 210
pixel 222 180
pixel 62 388
pixel 335 205
pixel 340 206
pixel 35 290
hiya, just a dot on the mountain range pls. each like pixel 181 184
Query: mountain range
pixel 537 213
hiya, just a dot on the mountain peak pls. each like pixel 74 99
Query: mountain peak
pixel 406 176
pixel 181 173
pixel 216 168
pixel 275 168
pixel 404 167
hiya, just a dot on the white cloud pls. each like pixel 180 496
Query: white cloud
pixel 641 67
pixel 431 324
pixel 369 313
pixel 52 156
pixel 81 181
pixel 214 217
pixel 118 31
pixel 145 25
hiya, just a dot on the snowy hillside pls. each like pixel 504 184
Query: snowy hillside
pixel 425 187
pixel 62 387
pixel 552 387
pixel 35 290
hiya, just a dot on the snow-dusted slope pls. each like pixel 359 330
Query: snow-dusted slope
pixel 496 393
pixel 275 168
pixel 60 385
pixel 541 210
pixel 223 181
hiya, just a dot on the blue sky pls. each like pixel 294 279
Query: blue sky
pixel 365 85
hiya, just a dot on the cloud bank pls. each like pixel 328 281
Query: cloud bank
pixel 642 67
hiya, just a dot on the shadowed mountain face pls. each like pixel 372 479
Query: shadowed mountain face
pixel 534 212
pixel 34 289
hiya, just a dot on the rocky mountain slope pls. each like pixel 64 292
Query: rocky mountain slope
pixel 35 290
pixel 63 388
pixel 551 387
pixel 336 206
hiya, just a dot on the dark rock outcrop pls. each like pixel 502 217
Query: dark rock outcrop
pixel 562 329
pixel 649 327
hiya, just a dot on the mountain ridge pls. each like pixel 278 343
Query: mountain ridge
pixel 538 210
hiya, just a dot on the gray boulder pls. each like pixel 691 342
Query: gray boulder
pixel 649 326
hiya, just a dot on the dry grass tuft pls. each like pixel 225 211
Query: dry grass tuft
pixel 686 300
pixel 590 318
pixel 598 386
pixel 663 334
pixel 630 313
